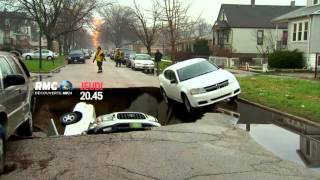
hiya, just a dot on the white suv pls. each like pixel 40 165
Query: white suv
pixel 197 83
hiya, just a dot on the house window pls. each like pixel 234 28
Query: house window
pixel 294 34
pixel 306 30
pixel 260 36
pixel 315 2
pixel 300 32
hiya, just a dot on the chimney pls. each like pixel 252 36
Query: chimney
pixel 253 2
pixel 293 3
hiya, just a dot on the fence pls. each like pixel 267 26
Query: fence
pixel 236 62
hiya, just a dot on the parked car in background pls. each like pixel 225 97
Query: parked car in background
pixel 76 56
pixel 128 56
pixel 15 101
pixel 197 83
pixel 86 53
pixel 45 53
pixel 142 62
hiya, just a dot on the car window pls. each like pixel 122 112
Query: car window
pixel 14 65
pixel 45 51
pixel 196 70
pixel 167 74
pixel 173 76
pixel 143 57
pixel 36 52
pixel 5 67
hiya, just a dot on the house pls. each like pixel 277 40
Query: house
pixel 247 30
pixel 15 30
pixel 304 31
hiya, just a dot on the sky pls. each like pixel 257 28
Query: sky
pixel 209 9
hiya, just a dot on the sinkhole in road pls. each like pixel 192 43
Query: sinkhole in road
pixel 288 138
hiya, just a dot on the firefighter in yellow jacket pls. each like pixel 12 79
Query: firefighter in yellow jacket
pixel 99 57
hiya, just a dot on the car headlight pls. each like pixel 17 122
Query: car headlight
pixel 196 91
pixel 69 58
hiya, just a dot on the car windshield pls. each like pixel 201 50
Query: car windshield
pixel 143 57
pixel 196 70
pixel 76 53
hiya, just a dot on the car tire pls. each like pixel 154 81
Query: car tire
pixel 28 57
pixel 233 99
pixel 26 129
pixel 70 118
pixel 164 95
pixel 186 103
pixel 2 150
pixel 2 156
pixel 49 58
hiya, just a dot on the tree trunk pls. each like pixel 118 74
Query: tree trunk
pixel 149 50
pixel 49 42
pixel 173 52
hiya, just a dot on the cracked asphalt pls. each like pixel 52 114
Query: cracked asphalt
pixel 211 148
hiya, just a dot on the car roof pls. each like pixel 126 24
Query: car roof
pixel 142 54
pixel 3 53
pixel 185 63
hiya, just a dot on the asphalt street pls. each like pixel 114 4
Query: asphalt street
pixel 111 77
pixel 210 148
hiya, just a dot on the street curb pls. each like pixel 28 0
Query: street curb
pixel 279 112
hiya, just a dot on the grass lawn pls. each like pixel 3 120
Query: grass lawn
pixel 164 65
pixel 294 96
pixel 47 66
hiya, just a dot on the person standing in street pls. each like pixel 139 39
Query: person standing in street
pixel 118 58
pixel 157 58
pixel 99 57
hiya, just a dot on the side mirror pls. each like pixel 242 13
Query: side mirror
pixel 174 81
pixel 13 80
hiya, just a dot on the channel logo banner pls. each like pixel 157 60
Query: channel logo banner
pixel 53 88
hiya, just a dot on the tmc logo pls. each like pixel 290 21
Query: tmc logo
pixel 53 86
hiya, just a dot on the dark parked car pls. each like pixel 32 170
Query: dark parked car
pixel 76 56
pixel 15 101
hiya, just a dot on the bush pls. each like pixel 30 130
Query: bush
pixel 286 60
pixel 201 47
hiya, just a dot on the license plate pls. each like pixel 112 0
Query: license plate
pixel 136 125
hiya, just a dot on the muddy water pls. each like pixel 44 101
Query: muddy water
pixel 288 138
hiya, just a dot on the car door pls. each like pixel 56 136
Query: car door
pixel 36 54
pixel 45 54
pixel 25 89
pixel 12 97
pixel 174 87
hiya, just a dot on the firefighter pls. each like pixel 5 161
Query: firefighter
pixel 99 57
pixel 118 58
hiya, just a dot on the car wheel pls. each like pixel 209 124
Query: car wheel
pixel 2 155
pixel 49 58
pixel 234 99
pixel 187 104
pixel 70 118
pixel 26 128
pixel 28 57
pixel 164 95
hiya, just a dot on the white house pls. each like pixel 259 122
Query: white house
pixel 245 30
pixel 304 31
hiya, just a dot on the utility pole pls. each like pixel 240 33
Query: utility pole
pixel 316 67
pixel 40 53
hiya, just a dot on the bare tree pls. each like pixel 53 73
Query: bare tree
pixel 265 43
pixel 175 14
pixel 57 17
pixel 116 27
pixel 147 26
pixel 202 28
